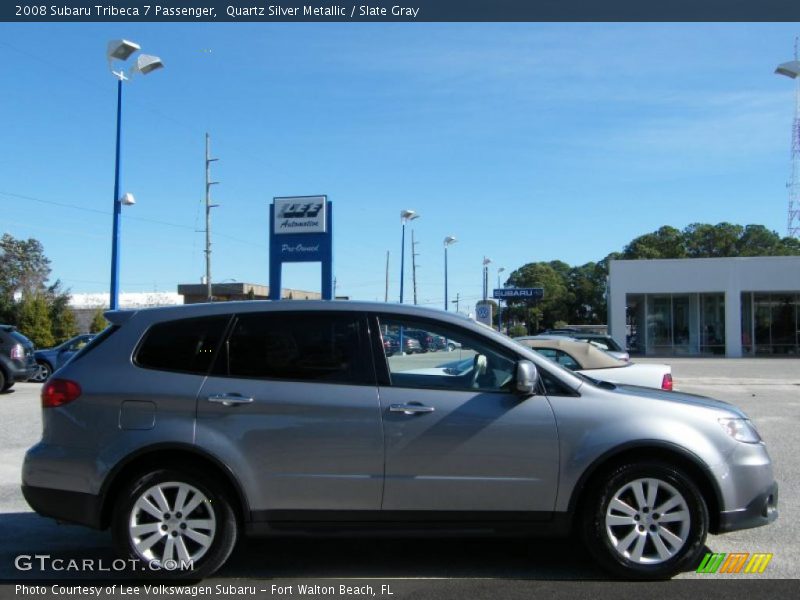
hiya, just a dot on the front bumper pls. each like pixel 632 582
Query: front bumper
pixel 65 505
pixel 762 510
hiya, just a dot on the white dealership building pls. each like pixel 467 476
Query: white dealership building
pixel 706 306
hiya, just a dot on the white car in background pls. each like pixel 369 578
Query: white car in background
pixel 593 362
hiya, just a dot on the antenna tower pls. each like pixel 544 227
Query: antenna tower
pixel 793 218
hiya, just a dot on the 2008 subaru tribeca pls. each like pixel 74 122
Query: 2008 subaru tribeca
pixel 181 428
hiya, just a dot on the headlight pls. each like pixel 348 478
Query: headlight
pixel 741 430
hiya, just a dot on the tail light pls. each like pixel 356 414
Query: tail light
pixel 58 392
pixel 666 382
pixel 17 352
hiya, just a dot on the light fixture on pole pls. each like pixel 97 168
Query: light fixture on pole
pixel 449 240
pixel 405 217
pixel 122 50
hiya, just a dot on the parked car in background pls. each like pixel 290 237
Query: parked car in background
pixel 391 343
pixel 16 357
pixel 182 428
pixel 586 358
pixel 604 342
pixel 51 359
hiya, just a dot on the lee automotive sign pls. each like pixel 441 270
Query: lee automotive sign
pixel 519 293
pixel 301 214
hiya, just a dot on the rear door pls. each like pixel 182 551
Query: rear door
pixel 292 407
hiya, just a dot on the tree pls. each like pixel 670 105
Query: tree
pixel 61 316
pixel 587 285
pixel 34 321
pixel 98 322
pixel 666 242
pixel 23 267
pixel 711 241
pixel 555 304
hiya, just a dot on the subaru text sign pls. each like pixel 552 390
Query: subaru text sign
pixel 519 293
pixel 302 214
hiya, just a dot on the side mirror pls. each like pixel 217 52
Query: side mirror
pixel 526 378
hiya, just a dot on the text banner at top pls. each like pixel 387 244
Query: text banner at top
pixel 400 11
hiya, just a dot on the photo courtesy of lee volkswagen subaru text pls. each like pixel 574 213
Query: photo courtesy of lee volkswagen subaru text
pixel 184 428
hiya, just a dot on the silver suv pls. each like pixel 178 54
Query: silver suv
pixel 182 428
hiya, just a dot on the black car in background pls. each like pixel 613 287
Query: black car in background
pixel 16 357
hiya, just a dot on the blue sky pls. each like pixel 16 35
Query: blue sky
pixel 526 141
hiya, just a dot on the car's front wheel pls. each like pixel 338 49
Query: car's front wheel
pixel 645 521
pixel 43 371
pixel 175 524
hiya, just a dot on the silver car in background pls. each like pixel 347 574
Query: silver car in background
pixel 182 428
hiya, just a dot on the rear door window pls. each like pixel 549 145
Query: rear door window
pixel 303 346
pixel 184 345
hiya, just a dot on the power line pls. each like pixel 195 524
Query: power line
pixel 127 217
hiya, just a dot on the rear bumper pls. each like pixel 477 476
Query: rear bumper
pixel 64 505
pixel 21 372
pixel 762 510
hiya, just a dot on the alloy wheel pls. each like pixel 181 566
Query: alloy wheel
pixel 172 521
pixel 41 374
pixel 647 521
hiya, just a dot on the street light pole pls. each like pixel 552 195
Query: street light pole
pixel 405 216
pixel 486 262
pixel 499 303
pixel 447 242
pixel 122 50
pixel 114 293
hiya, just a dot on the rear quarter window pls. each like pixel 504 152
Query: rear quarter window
pixel 184 345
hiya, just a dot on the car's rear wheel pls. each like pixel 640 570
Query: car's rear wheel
pixel 645 521
pixel 43 371
pixel 177 524
pixel 4 382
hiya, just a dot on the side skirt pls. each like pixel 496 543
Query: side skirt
pixel 378 523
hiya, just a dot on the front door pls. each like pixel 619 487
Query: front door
pixel 457 437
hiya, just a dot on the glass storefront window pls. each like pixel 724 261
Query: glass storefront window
pixel 712 324
pixel 776 323
pixel 677 324
pixel 659 324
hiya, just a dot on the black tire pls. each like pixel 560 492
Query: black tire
pixel 603 529
pixel 217 507
pixel 43 373
pixel 4 384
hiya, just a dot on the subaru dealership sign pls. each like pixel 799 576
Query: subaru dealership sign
pixel 518 293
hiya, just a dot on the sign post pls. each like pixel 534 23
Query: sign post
pixel 301 230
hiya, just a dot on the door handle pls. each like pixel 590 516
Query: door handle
pixel 411 409
pixel 229 399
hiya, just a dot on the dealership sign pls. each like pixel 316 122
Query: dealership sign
pixel 518 293
pixel 302 231
pixel 301 214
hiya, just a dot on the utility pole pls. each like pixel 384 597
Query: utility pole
pixel 209 206
pixel 414 255
pixel 386 293
pixel 458 297
pixel 334 288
